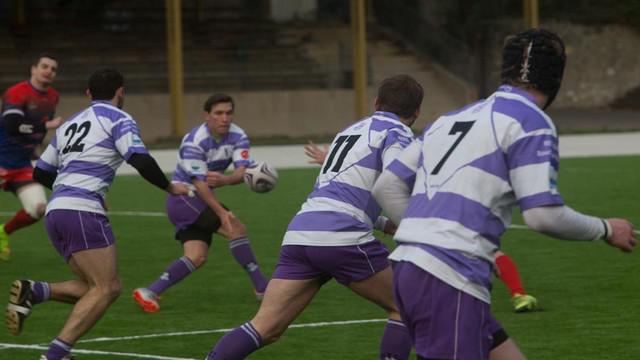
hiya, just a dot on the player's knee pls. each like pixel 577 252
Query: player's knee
pixel 33 201
pixel 238 231
pixel 198 260
pixel 112 289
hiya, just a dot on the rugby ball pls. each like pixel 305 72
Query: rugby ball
pixel 261 177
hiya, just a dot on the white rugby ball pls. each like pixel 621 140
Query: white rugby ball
pixel 261 177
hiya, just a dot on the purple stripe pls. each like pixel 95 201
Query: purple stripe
pixel 493 163
pixel 101 171
pixel 110 113
pixel 527 117
pixel 192 152
pixel 54 142
pixel 76 192
pixel 107 143
pixel 371 161
pixel 380 125
pixel 240 163
pixel 454 207
pixel 533 150
pixel 394 137
pixel 539 200
pixel 516 90
pixel 349 194
pixel 475 269
pixel 403 172
pixel 124 128
pixel 327 221
pixel 218 165
pixel 134 150
pixel 182 175
pixel 46 166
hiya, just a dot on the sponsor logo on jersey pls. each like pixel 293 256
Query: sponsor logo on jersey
pixel 136 140
pixel 244 154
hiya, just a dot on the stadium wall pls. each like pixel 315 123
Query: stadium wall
pixel 296 113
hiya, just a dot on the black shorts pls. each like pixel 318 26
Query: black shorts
pixel 203 228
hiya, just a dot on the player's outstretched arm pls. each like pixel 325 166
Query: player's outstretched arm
pixel 563 222
pixel 315 153
pixel 216 179
pixel 148 168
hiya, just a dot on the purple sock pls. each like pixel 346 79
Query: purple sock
pixel 396 342
pixel 241 250
pixel 177 271
pixel 58 349
pixel 40 291
pixel 236 344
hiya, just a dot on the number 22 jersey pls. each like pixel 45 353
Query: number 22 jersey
pixel 341 210
pixel 86 152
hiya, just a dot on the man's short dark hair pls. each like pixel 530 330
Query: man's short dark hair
pixel 401 95
pixel 535 58
pixel 218 98
pixel 36 60
pixel 104 83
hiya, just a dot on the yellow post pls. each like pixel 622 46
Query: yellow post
pixel 358 29
pixel 174 56
pixel 531 13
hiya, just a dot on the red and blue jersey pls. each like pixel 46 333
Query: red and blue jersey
pixel 36 107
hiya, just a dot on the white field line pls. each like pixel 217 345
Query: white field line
pixel 4 346
pixel 94 352
pixel 200 332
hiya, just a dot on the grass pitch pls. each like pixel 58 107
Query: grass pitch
pixel 588 291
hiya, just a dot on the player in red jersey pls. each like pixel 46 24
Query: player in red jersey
pixel 27 113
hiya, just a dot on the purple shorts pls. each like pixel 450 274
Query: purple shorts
pixel 183 210
pixel 444 322
pixel 346 264
pixel 71 231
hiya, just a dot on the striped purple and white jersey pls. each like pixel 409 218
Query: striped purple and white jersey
pixel 86 151
pixel 467 171
pixel 200 152
pixel 341 210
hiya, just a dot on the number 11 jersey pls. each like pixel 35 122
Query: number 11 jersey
pixel 85 152
pixel 341 210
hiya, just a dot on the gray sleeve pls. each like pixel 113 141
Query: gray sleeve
pixel 563 222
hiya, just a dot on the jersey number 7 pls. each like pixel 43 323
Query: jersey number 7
pixel 462 127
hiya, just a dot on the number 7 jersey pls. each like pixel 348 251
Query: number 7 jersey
pixel 85 152
pixel 341 210
pixel 467 171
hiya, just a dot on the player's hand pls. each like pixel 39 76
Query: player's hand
pixel 229 223
pixel 316 154
pixel 390 228
pixel 215 179
pixel 622 235
pixel 179 189
pixel 54 124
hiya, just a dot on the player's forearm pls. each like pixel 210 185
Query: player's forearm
pixel 563 222
pixel 16 125
pixel 236 177
pixel 392 194
pixel 46 178
pixel 204 193
pixel 148 168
